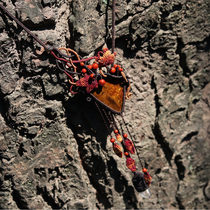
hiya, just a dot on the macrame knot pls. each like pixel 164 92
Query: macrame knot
pixel 107 57
pixel 87 82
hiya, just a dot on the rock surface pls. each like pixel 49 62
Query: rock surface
pixel 54 148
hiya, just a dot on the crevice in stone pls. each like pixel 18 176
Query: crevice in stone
pixel 180 167
pixel 49 4
pixel 179 203
pixel 204 45
pixel 47 198
pixel 204 193
pixel 189 136
pixel 162 142
pixel 178 110
pixel 156 98
pixel 158 171
pixel 50 114
pixel 19 200
pixel 182 58
pixel 101 195
pixel 3 109
pixel 21 150
pixel 121 185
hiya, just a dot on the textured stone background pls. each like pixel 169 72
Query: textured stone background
pixel 54 148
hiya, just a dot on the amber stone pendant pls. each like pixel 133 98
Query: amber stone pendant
pixel 112 94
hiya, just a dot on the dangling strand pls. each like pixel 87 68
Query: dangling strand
pixel 113 25
pixel 141 181
pixel 133 142
pixel 117 149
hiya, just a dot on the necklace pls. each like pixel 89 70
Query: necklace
pixel 107 84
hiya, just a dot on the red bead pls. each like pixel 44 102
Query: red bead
pixel 112 70
pixel 112 140
pixel 82 64
pixel 101 82
pixel 94 65
pixel 126 153
pixel 116 131
pixel 89 66
pixel 125 135
pixel 115 66
pixel 84 71
pixel 92 76
pixel 144 170
pixel 120 69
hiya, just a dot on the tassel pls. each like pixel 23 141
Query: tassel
pixel 139 181
pixel 130 163
pixel 118 150
pixel 129 145
pixel 140 184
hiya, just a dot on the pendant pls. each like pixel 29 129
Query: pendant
pixel 109 86
pixel 112 94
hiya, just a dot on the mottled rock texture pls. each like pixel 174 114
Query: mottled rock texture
pixel 54 148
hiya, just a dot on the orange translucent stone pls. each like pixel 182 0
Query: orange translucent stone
pixel 111 94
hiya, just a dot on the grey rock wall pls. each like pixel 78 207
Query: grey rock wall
pixel 54 148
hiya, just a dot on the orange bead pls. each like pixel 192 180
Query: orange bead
pixel 125 135
pixel 89 66
pixel 115 66
pixel 116 131
pixel 144 170
pixel 112 140
pixel 82 64
pixel 112 70
pixel 101 82
pixel 120 69
pixel 84 71
pixel 92 76
pixel 126 153
pixel 94 65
